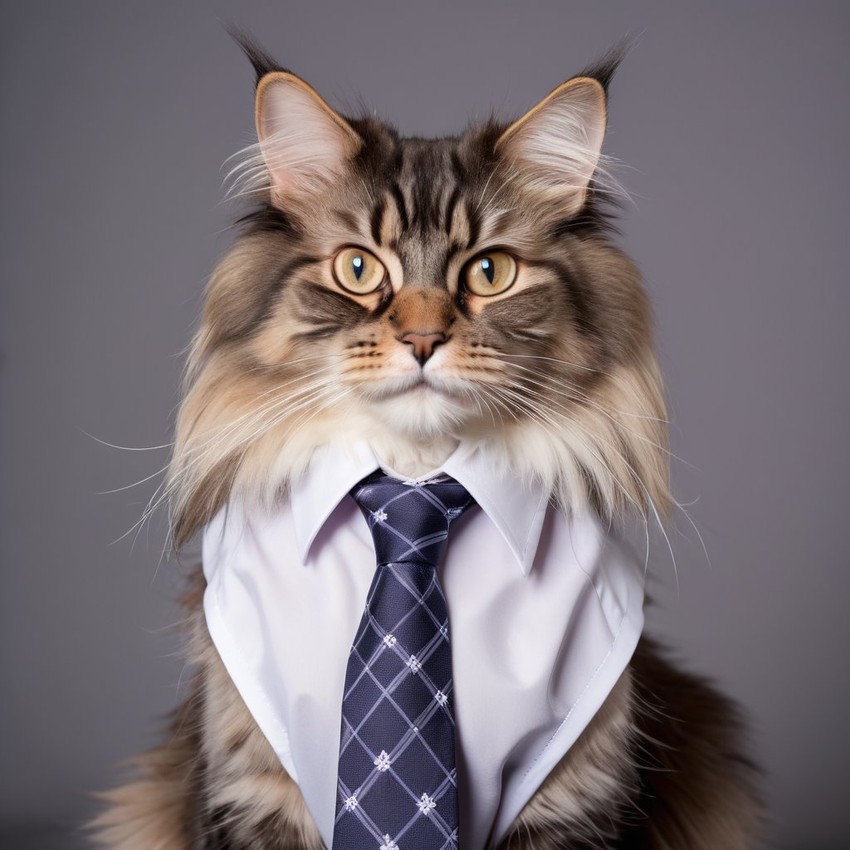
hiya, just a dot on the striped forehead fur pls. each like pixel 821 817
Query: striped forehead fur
pixel 557 379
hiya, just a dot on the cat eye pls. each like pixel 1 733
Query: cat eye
pixel 358 271
pixel 489 274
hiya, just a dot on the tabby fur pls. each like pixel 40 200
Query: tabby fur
pixel 556 375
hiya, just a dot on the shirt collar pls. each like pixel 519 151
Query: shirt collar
pixel 514 506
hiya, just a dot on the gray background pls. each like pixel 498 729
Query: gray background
pixel 117 117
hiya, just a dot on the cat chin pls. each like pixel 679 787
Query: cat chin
pixel 421 414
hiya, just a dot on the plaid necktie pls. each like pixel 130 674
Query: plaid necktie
pixel 397 785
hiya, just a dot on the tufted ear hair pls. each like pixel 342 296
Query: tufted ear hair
pixel 304 143
pixel 556 145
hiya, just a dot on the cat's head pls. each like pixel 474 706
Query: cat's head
pixel 417 293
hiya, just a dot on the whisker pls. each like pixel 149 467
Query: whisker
pixel 196 453
pixel 524 403
pixel 134 484
pixel 576 394
pixel 126 448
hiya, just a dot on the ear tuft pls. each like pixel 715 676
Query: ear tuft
pixel 262 61
pixel 605 67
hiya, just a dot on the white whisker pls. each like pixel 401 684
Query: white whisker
pixel 126 448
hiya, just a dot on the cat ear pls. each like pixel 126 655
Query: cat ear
pixel 557 144
pixel 303 141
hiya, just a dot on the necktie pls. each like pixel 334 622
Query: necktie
pixel 397 783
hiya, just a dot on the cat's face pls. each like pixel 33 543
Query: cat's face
pixel 417 291
pixel 434 292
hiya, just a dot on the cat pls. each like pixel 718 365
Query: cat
pixel 365 256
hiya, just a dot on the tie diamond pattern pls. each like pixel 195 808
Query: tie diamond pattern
pixel 397 785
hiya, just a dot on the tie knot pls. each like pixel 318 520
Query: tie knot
pixel 410 521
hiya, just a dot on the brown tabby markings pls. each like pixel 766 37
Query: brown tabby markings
pixel 556 376
pixel 568 344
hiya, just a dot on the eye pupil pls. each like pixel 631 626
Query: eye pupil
pixel 357 264
pixel 489 269
pixel 489 274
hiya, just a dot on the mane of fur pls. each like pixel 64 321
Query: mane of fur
pixel 247 432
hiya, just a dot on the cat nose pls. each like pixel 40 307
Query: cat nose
pixel 423 343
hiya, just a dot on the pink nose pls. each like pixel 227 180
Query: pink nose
pixel 423 344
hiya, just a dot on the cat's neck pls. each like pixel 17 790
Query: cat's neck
pixel 411 457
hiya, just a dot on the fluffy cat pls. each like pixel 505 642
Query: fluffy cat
pixel 367 255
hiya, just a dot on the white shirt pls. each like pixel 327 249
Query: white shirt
pixel 545 612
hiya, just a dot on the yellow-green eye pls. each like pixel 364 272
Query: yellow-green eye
pixel 489 274
pixel 358 271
